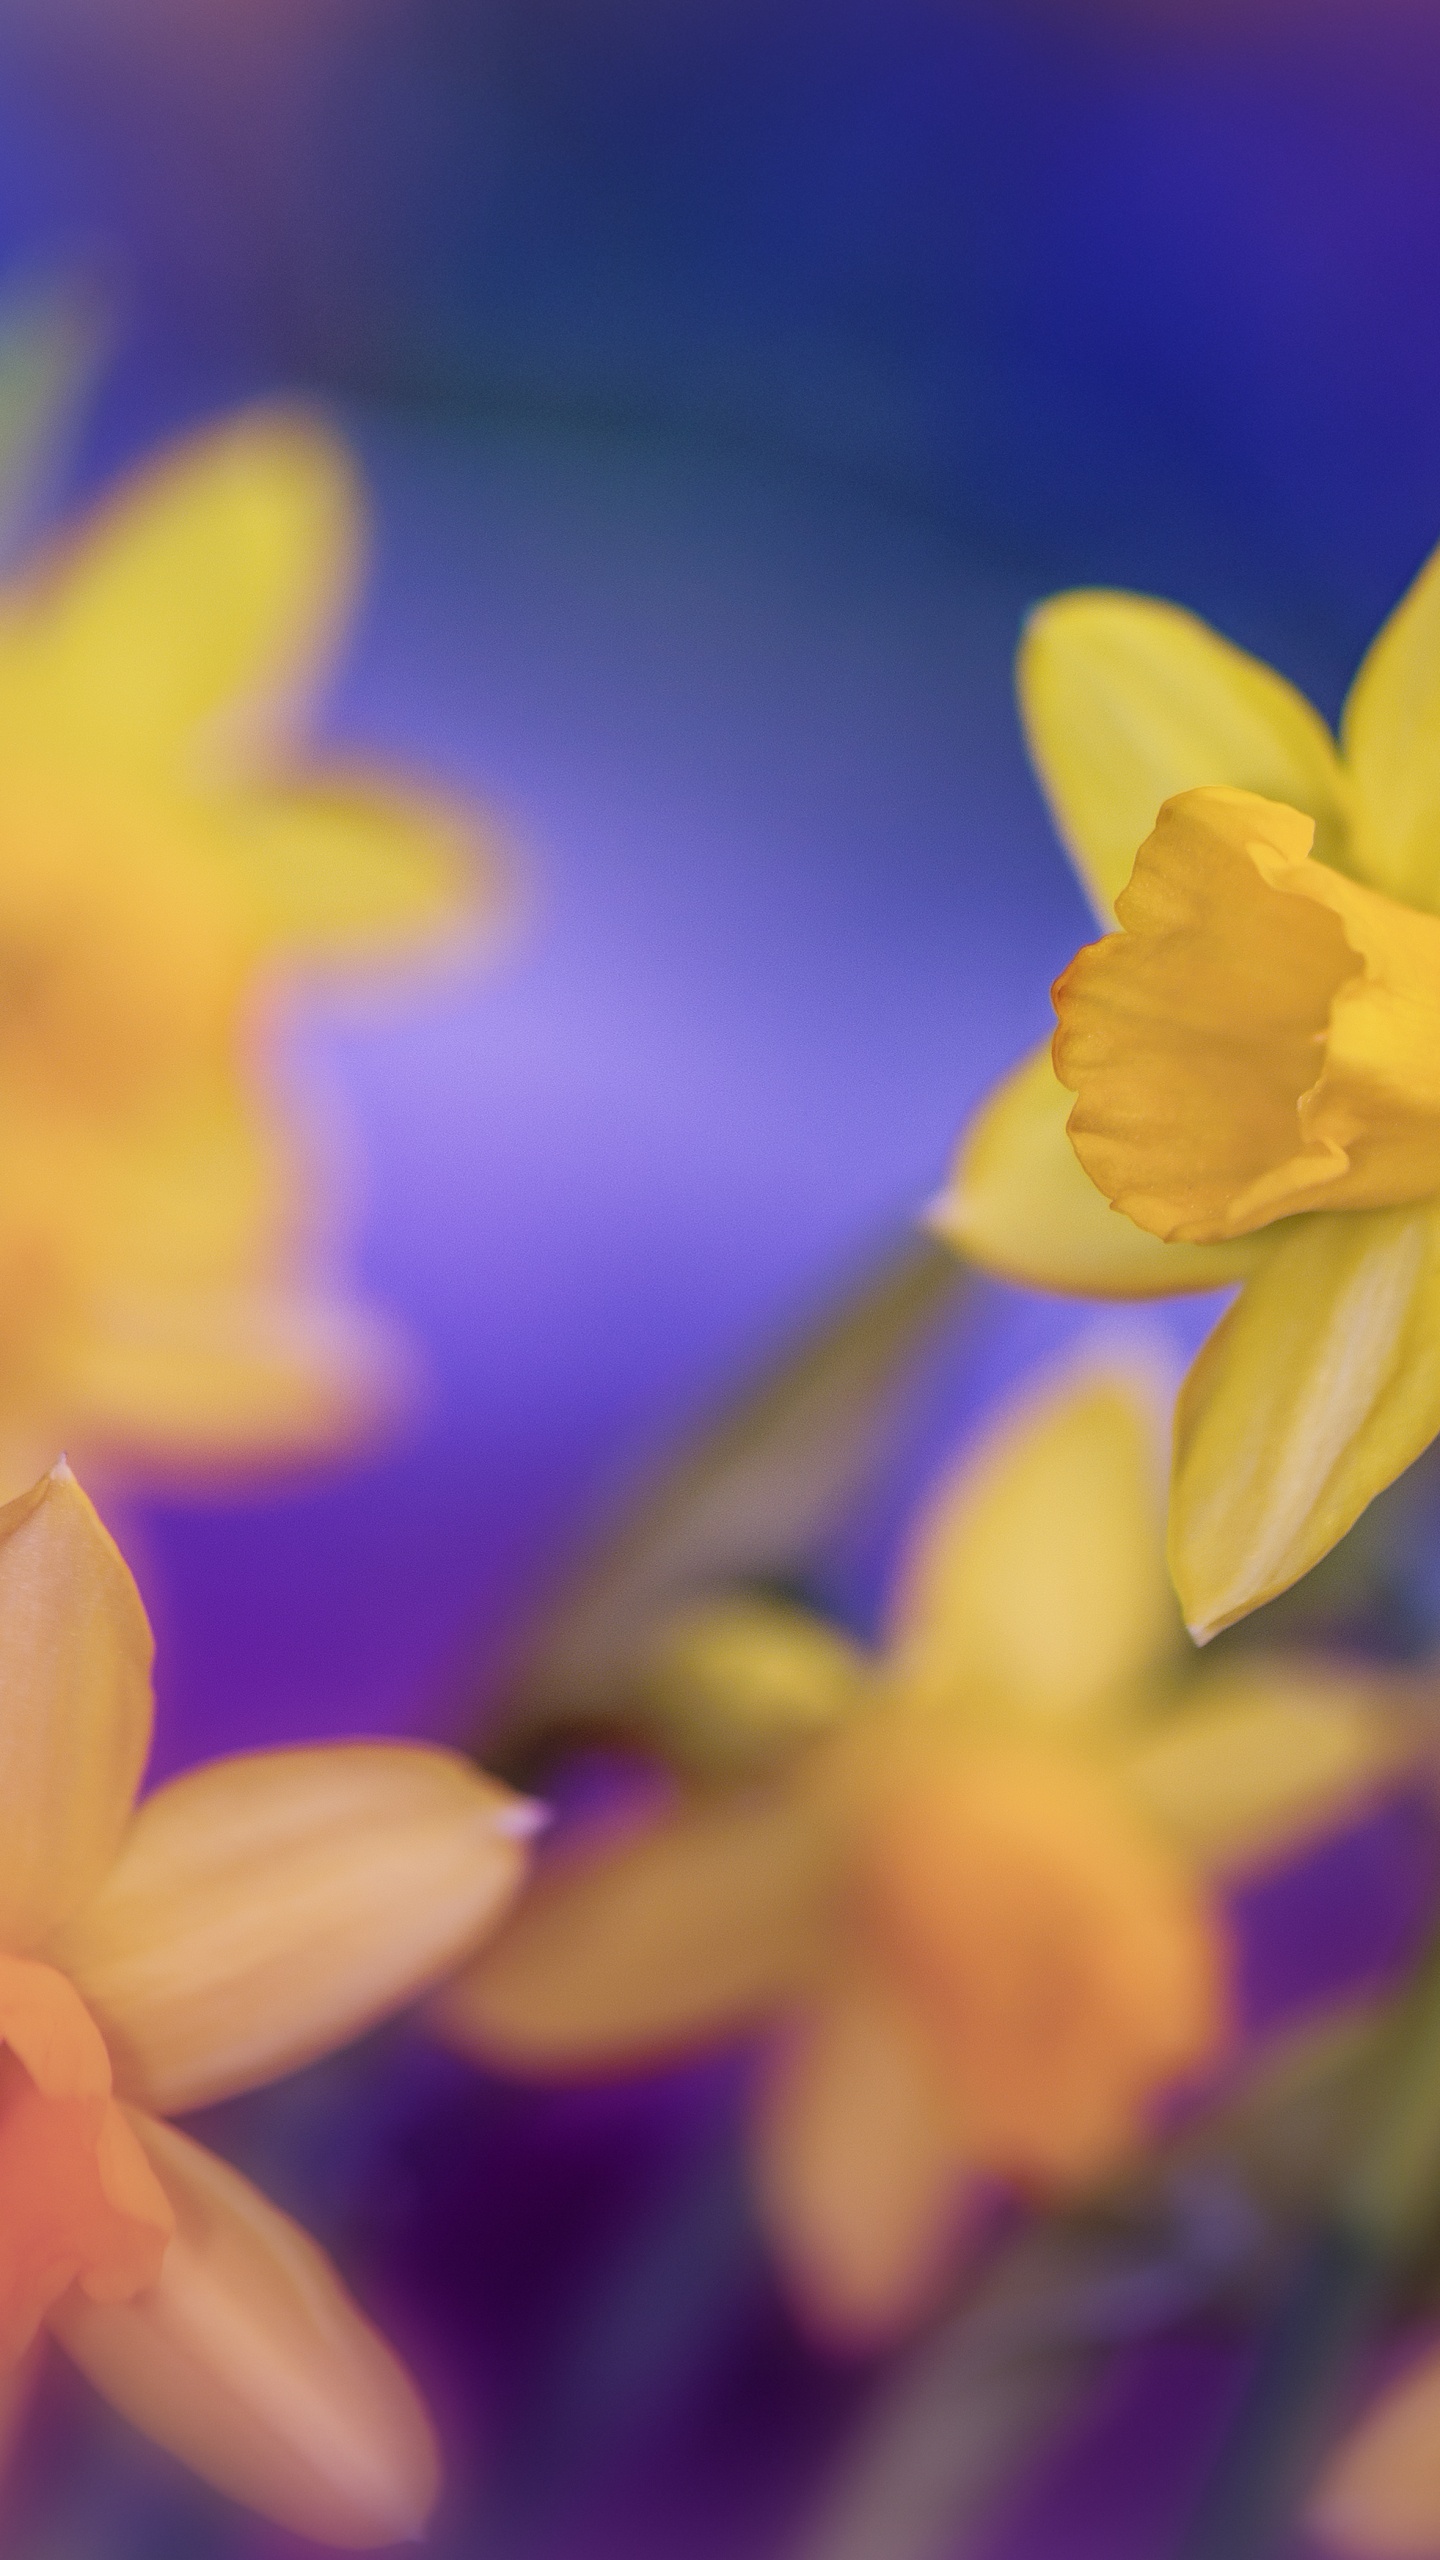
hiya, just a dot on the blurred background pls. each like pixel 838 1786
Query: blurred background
pixel 730 375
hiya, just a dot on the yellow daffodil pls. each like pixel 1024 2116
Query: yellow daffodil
pixel 165 863
pixel 243 1919
pixel 972 1899
pixel 1247 1070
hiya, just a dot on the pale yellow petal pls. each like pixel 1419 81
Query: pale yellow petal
pixel 1036 1585
pixel 733 1685
pixel 1127 701
pixel 200 597
pixel 861 2182
pixel 1318 1388
pixel 1265 1756
pixel 75 1705
pixel 209 1383
pixel 1019 1202
pixel 347 866
pixel 1380 2494
pixel 266 1908
pixel 250 2362
pixel 1391 736
pixel 692 1927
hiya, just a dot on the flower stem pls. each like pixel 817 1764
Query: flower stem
pixel 1392 2193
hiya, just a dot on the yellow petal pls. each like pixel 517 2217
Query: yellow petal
pixel 345 866
pixel 207 1383
pixel 75 1705
pixel 1260 1039
pixel 1127 701
pixel 861 2182
pixel 1020 1203
pixel 1391 737
pixel 200 1191
pixel 732 1685
pixel 1318 1388
pixel 1036 1586
pixel 653 1941
pixel 1262 1758
pixel 250 2362
pixel 212 583
pixel 266 1908
pixel 1380 2495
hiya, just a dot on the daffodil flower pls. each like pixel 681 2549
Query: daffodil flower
pixel 169 864
pixel 973 1903
pixel 240 1921
pixel 1248 1070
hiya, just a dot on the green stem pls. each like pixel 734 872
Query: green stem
pixel 1392 2194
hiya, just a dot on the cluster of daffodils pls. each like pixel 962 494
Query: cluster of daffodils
pixel 972 1902
pixel 238 1922
pixel 1244 1087
pixel 167 861
pixel 966 1894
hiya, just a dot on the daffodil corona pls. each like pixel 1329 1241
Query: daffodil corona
pixel 245 1918
pixel 1247 1074
pixel 972 1900
pixel 167 860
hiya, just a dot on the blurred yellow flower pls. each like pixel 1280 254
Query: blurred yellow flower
pixel 245 1918
pixel 1254 1057
pixel 165 863
pixel 972 1899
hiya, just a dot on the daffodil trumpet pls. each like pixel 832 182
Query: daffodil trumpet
pixel 969 1899
pixel 238 1922
pixel 1245 1081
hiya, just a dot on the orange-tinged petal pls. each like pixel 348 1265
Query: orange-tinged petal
pixel 79 2203
pixel 348 866
pixel 1127 701
pixel 693 1926
pixel 1019 1202
pixel 1035 1588
pixel 250 2362
pixel 1391 737
pixel 266 1908
pixel 1067 1965
pixel 1380 2494
pixel 1262 1037
pixel 1263 1758
pixel 860 2178
pixel 75 1705
pixel 198 599
pixel 1318 1388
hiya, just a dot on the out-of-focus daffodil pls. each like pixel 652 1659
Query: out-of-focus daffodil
pixel 1254 1059
pixel 165 861
pixel 973 1896
pixel 244 1919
